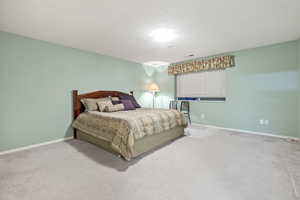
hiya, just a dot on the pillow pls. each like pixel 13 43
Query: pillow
pixel 114 98
pixel 116 102
pixel 91 104
pixel 131 98
pixel 128 105
pixel 114 108
pixel 103 104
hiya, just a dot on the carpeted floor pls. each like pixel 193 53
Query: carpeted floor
pixel 208 164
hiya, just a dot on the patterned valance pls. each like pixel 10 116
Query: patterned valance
pixel 217 63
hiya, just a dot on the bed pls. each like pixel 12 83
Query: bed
pixel 125 133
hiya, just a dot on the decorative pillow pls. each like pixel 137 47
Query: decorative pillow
pixel 116 102
pixel 114 108
pixel 103 104
pixel 132 99
pixel 114 98
pixel 128 105
pixel 91 104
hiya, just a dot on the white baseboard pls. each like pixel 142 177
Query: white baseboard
pixel 194 124
pixel 247 132
pixel 34 146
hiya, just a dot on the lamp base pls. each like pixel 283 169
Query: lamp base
pixel 153 102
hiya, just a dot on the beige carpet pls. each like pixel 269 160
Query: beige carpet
pixel 208 165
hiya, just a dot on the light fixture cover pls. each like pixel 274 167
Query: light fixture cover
pixel 163 35
pixel 156 64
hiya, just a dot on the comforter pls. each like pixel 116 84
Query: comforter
pixel 123 128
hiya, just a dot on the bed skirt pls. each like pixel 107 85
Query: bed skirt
pixel 147 143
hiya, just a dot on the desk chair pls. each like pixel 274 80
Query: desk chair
pixel 185 109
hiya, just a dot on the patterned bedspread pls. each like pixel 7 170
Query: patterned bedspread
pixel 124 127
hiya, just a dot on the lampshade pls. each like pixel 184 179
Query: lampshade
pixel 153 87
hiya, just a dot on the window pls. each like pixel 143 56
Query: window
pixel 209 86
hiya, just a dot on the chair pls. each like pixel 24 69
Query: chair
pixel 173 105
pixel 185 109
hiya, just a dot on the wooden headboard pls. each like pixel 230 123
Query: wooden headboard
pixel 78 106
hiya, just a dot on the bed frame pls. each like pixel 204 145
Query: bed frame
pixel 141 146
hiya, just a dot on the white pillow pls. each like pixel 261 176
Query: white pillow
pixel 103 104
pixel 91 104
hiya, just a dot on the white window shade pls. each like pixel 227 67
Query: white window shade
pixel 201 84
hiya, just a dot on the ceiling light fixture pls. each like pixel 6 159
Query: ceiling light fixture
pixel 163 35
pixel 156 64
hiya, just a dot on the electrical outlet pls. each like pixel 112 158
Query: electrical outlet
pixel 264 122
pixel 261 121
pixel 202 116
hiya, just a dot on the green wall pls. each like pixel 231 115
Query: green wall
pixel 264 84
pixel 299 88
pixel 166 84
pixel 36 79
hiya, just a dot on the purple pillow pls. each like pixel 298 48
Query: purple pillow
pixel 131 98
pixel 116 102
pixel 128 105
